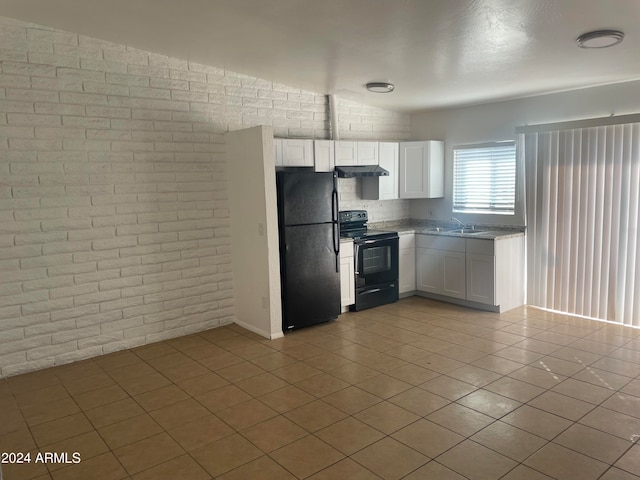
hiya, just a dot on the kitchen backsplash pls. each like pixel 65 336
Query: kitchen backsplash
pixel 350 198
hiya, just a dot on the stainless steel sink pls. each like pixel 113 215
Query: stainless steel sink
pixel 462 230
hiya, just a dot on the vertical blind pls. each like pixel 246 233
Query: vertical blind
pixel 583 198
pixel 484 178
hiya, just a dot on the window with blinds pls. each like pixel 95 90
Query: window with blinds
pixel 484 178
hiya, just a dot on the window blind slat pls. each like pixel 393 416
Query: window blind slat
pixel 484 179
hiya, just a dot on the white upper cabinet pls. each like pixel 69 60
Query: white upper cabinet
pixel 350 153
pixel 385 187
pixel 367 153
pixel 324 156
pixel 346 153
pixel 421 169
pixel 293 152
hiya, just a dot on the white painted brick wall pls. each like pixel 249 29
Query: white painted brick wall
pixel 114 220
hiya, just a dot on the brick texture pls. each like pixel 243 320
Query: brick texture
pixel 114 219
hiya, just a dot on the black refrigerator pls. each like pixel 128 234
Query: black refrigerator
pixel 309 247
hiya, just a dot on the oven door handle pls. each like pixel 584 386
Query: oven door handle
pixel 373 290
pixel 356 258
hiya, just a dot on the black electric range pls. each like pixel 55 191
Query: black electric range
pixel 376 258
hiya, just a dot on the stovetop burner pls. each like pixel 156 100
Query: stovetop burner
pixel 353 224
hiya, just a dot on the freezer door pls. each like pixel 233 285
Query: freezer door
pixel 305 198
pixel 310 279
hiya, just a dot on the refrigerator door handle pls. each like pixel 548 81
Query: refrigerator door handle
pixel 336 226
pixel 334 199
pixel 336 246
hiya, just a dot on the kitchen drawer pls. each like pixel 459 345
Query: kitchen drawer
pixel 483 247
pixel 441 242
pixel 407 241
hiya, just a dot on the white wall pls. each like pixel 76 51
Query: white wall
pixel 497 121
pixel 373 124
pixel 254 230
pixel 114 212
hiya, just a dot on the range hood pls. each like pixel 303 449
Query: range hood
pixel 362 171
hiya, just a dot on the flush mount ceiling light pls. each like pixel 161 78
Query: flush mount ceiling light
pixel 380 87
pixel 600 39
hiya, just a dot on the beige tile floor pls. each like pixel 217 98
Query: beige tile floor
pixel 414 390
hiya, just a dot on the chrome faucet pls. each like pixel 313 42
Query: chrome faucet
pixel 462 224
pixel 456 220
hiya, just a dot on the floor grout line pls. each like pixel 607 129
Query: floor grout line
pixel 382 332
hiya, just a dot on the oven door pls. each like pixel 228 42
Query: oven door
pixel 376 261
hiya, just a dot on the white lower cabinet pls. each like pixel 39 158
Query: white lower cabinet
pixel 441 265
pixel 481 278
pixel 453 280
pixel 347 275
pixel 428 270
pixel 407 263
pixel 441 272
pixel 482 271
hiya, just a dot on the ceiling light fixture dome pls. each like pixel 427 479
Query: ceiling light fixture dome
pixel 600 39
pixel 380 87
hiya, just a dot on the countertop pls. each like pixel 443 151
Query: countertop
pixel 486 232
pixel 480 233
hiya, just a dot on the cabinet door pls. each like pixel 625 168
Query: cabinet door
pixel 347 282
pixel 367 153
pixel 429 270
pixel 388 159
pixel 453 280
pixel 346 153
pixel 323 156
pixel 481 278
pixel 297 153
pixel 407 270
pixel 383 188
pixel 421 169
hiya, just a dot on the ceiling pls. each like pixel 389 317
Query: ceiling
pixel 438 53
